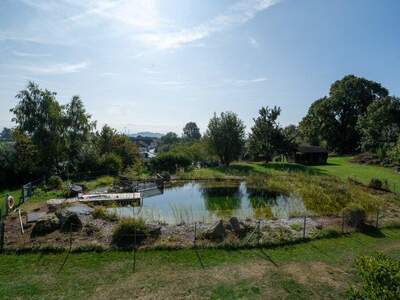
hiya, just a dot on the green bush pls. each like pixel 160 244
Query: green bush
pixel 380 278
pixel 376 183
pixel 170 162
pixel 354 215
pixel 101 213
pixel 129 233
pixel 55 183
pixel 111 164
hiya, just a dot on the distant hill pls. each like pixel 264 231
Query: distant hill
pixel 147 134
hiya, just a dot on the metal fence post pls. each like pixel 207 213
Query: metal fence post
pixel 1 231
pixel 342 222
pixel 304 227
pixel 377 219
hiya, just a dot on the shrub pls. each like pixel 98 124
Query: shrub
pixel 375 183
pixel 55 183
pixel 354 215
pixel 101 213
pixel 111 164
pixel 380 278
pixel 129 233
pixel 170 162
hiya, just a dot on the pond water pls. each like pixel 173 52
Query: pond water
pixel 209 201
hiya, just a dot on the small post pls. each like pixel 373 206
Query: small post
pixel 6 206
pixel 195 234
pixel 304 227
pixel 1 232
pixel 342 222
pixel 377 219
pixel 134 250
pixel 20 221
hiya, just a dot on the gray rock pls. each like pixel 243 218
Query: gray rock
pixel 53 204
pixel 69 221
pixel 216 232
pixel 35 217
pixel 79 209
pixel 237 227
pixel 154 230
pixel 46 225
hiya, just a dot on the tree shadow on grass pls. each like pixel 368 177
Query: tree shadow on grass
pixel 293 167
pixel 267 257
pixel 372 231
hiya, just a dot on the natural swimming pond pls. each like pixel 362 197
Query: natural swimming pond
pixel 208 201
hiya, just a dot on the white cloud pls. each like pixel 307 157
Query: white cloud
pixel 253 42
pixel 142 14
pixel 239 13
pixel 57 69
pixel 241 82
pixel 26 54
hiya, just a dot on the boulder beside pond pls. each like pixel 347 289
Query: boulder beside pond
pixel 46 225
pixel 215 232
pixel 69 221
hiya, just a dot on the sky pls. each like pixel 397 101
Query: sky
pixel 154 65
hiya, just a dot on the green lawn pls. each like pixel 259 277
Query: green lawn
pixel 343 168
pixel 320 269
pixel 337 166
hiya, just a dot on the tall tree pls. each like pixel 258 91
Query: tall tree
pixel 6 134
pixel 167 142
pixel 191 131
pixel 334 118
pixel 78 128
pixel 267 138
pixel 40 116
pixel 226 135
pixel 380 126
pixel 320 126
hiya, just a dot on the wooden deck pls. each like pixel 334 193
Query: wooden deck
pixel 118 197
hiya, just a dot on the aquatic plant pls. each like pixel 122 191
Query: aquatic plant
pixel 182 214
pixel 101 213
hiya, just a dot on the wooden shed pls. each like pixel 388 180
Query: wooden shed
pixel 309 155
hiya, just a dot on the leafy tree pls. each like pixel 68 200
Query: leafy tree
pixel 6 134
pixel 169 162
pixel 267 137
pixel 109 141
pixel 7 164
pixel 78 128
pixel 225 136
pixel 111 164
pixel 191 131
pixel 126 150
pixel 380 126
pixel 320 126
pixel 334 119
pixel 39 115
pixel 105 139
pixel 170 138
pixel 167 141
pixel 197 150
pixel 394 153
pixel 26 164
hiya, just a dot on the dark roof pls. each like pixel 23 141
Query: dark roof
pixel 310 149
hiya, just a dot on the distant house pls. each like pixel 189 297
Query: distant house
pixel 309 155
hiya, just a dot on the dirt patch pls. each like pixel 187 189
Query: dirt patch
pixel 180 284
pixel 316 272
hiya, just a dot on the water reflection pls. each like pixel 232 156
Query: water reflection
pixel 209 201
pixel 221 201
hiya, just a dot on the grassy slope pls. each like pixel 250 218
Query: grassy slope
pixel 337 166
pixel 343 168
pixel 314 270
